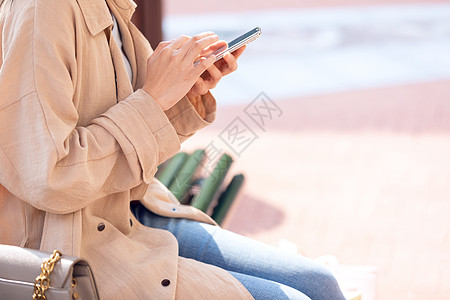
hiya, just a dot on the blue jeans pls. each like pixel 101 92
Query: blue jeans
pixel 266 272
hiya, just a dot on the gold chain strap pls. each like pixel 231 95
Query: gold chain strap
pixel 42 282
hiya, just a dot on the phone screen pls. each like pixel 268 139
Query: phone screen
pixel 240 41
pixel 237 43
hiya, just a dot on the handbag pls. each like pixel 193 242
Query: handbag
pixel 26 273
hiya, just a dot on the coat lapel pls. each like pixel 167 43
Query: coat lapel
pixel 136 46
pixel 142 50
pixel 123 20
pixel 96 15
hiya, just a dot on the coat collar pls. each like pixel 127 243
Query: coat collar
pixel 98 16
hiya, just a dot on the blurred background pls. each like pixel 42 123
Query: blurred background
pixel 347 104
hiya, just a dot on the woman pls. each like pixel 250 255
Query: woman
pixel 87 113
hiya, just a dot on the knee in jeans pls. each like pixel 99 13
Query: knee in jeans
pixel 324 275
pixel 323 284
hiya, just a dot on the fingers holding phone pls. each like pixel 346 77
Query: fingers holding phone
pixel 170 69
pixel 212 76
pixel 226 56
pixel 214 48
pixel 228 63
pixel 192 65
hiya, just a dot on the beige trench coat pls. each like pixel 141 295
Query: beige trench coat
pixel 74 151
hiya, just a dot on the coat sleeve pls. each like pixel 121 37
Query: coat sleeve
pixel 45 158
pixel 187 118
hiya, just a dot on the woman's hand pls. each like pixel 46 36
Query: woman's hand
pixel 211 77
pixel 171 73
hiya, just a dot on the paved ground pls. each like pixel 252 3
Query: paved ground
pixel 359 175
pixel 353 166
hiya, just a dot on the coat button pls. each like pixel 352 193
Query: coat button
pixel 165 282
pixel 101 226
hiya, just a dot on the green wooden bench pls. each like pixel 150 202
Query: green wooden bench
pixel 183 175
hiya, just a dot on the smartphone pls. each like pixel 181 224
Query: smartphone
pixel 238 42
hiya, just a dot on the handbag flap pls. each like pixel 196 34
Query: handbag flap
pixel 23 264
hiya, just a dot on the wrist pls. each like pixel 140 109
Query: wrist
pixel 158 99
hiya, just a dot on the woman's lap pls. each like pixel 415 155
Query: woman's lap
pixel 255 264
pixel 267 289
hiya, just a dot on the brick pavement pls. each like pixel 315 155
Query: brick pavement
pixel 360 175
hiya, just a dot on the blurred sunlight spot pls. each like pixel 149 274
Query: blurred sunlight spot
pixel 305 52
